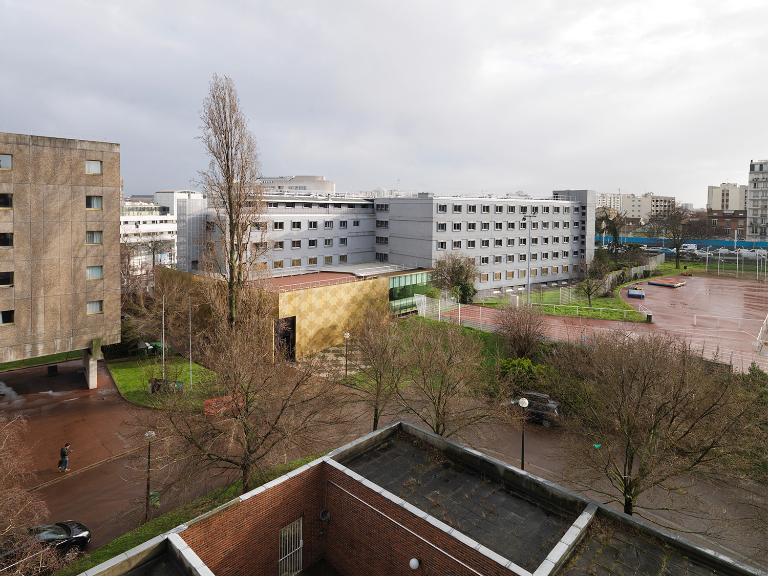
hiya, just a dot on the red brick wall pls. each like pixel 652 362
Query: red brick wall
pixel 244 538
pixel 361 541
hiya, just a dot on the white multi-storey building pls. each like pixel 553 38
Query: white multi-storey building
pixel 637 207
pixel 509 238
pixel 727 196
pixel 307 232
pixel 150 231
pixel 610 200
pixel 189 208
pixel 297 184
pixel 757 202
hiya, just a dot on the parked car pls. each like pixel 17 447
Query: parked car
pixel 65 536
pixel 541 408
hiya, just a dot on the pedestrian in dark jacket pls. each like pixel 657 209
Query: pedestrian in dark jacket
pixel 64 458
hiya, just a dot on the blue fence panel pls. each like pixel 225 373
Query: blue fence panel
pixel 657 242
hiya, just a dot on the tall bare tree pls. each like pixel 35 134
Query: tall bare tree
pixel 613 223
pixel 444 378
pixel 675 226
pixel 20 553
pixel 651 414
pixel 259 404
pixel 231 184
pixel 380 368
pixel 157 246
pixel 456 273
pixel 593 282
pixel 521 329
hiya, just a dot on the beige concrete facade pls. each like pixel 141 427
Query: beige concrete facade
pixel 49 256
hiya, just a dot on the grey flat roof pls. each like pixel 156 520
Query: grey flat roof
pixel 536 524
pixel 612 548
pixel 510 523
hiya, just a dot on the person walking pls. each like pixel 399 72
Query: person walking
pixel 64 457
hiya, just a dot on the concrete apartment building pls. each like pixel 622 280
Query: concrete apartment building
pixel 150 231
pixel 727 196
pixel 59 247
pixel 416 231
pixel 757 201
pixel 309 230
pixel 402 501
pixel 638 208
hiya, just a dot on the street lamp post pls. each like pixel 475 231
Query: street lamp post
pixel 346 353
pixel 523 403
pixel 149 435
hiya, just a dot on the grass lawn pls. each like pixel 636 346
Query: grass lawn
pixel 749 268
pixel 548 302
pixel 132 376
pixel 42 360
pixel 170 520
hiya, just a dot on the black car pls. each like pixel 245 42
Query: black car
pixel 542 409
pixel 63 535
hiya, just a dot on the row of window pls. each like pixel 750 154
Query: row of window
pixel 512 274
pixel 499 209
pixel 91 166
pixel 95 272
pixel 311 225
pixel 91 307
pixel 499 242
pixel 509 258
pixel 311 261
pixel 311 243
pixel 91 237
pixel 91 202
pixel 486 226
pixel 318 205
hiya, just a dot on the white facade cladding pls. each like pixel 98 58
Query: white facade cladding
pixel 296 184
pixel 306 232
pixel 757 201
pixel 189 208
pixel 150 231
pixel 499 233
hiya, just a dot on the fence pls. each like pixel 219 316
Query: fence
pixel 446 310
pixel 634 273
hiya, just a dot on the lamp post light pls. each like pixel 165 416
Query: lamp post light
pixel 523 403
pixel 150 436
pixel 346 353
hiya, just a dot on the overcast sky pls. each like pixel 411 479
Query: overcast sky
pixel 665 96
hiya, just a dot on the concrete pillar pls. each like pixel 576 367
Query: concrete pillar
pixel 90 364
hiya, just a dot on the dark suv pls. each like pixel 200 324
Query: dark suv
pixel 542 409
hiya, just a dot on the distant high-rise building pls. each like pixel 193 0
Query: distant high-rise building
pixel 757 202
pixel 727 196
pixel 59 247
pixel 640 208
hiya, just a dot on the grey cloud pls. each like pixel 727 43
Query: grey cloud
pixel 442 96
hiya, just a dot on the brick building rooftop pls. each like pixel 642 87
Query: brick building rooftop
pixel 404 501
